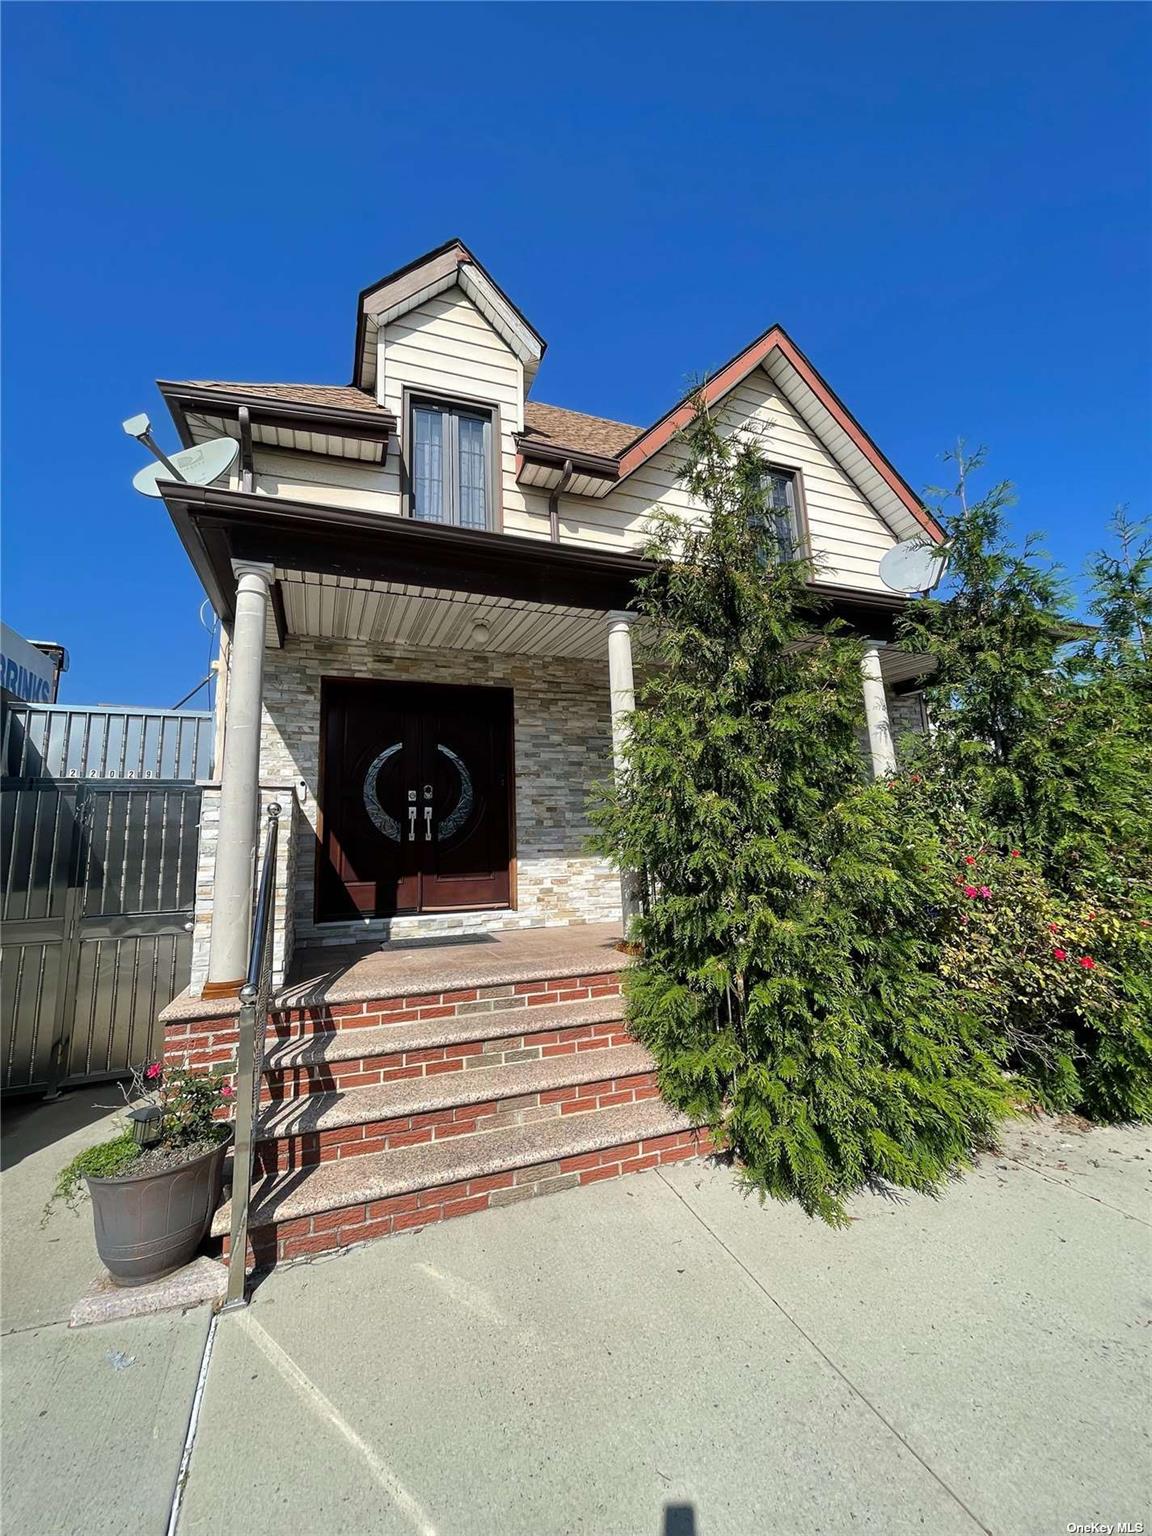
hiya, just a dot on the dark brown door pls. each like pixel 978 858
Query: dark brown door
pixel 415 799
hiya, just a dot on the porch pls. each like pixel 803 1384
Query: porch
pixel 451 963
pixel 431 708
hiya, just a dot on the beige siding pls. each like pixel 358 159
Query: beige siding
pixel 446 346
pixel 327 482
pixel 848 536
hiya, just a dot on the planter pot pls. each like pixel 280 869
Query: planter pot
pixel 149 1224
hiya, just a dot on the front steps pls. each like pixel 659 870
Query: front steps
pixel 382 1114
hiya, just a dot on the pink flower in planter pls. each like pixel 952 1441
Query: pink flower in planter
pixel 1059 954
pixel 153 1071
pixel 1087 962
pixel 970 891
pixel 985 892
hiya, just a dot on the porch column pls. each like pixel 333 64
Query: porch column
pixel 622 689
pixel 239 784
pixel 876 712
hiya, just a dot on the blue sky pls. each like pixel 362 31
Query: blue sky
pixel 946 205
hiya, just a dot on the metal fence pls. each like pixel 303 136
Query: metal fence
pixel 97 886
pixel 52 742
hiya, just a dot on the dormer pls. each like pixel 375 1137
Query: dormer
pixel 442 322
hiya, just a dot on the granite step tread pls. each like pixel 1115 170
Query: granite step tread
pixel 449 1090
pixel 381 1175
pixel 352 1043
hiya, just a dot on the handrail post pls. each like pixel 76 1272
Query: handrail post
pixel 251 1026
pixel 245 1125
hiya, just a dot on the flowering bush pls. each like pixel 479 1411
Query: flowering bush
pixel 1062 986
pixel 188 1103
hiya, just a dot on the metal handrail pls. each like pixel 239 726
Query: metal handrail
pixel 251 1030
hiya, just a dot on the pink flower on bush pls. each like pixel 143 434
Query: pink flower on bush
pixel 1015 854
pixel 1087 962
pixel 152 1071
pixel 227 1092
pixel 985 892
pixel 1059 954
pixel 970 891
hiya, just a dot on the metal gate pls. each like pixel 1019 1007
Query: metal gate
pixel 100 827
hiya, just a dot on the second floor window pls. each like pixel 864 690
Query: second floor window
pixel 781 524
pixel 451 465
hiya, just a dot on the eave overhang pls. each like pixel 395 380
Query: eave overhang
pixel 546 467
pixel 326 430
pixel 217 526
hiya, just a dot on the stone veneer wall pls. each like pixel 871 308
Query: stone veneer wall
pixel 562 746
pixel 286 845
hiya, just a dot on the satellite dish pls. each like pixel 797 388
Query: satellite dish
pixel 199 465
pixel 913 566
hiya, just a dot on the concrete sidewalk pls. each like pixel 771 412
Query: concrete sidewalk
pixel 93 1420
pixel 662 1355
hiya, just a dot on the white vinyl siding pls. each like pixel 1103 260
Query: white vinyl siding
pixel 847 535
pixel 447 348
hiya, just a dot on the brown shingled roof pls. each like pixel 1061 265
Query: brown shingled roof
pixel 341 397
pixel 559 428
pixel 550 424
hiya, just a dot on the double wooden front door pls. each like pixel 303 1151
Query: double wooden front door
pixel 415 789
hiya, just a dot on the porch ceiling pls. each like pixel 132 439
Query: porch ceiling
pixel 318 606
pixel 325 607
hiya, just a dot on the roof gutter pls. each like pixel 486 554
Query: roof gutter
pixel 559 457
pixel 372 426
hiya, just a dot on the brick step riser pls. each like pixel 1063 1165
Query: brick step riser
pixel 294 1022
pixel 329 1230
pixel 283 1083
pixel 307 1149
pixel 210 1044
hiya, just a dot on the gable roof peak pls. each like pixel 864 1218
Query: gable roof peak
pixel 446 266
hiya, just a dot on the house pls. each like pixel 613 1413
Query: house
pixel 424 579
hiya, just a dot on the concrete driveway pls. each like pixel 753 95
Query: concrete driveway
pixel 656 1355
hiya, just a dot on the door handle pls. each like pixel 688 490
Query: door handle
pixel 411 823
pixel 427 823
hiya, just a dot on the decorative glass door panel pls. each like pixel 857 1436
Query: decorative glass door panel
pixel 415 796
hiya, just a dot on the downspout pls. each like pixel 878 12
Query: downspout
pixel 247 475
pixel 554 496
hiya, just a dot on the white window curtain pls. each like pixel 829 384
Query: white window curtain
pixel 451 465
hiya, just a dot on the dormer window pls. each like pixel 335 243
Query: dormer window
pixel 451 464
